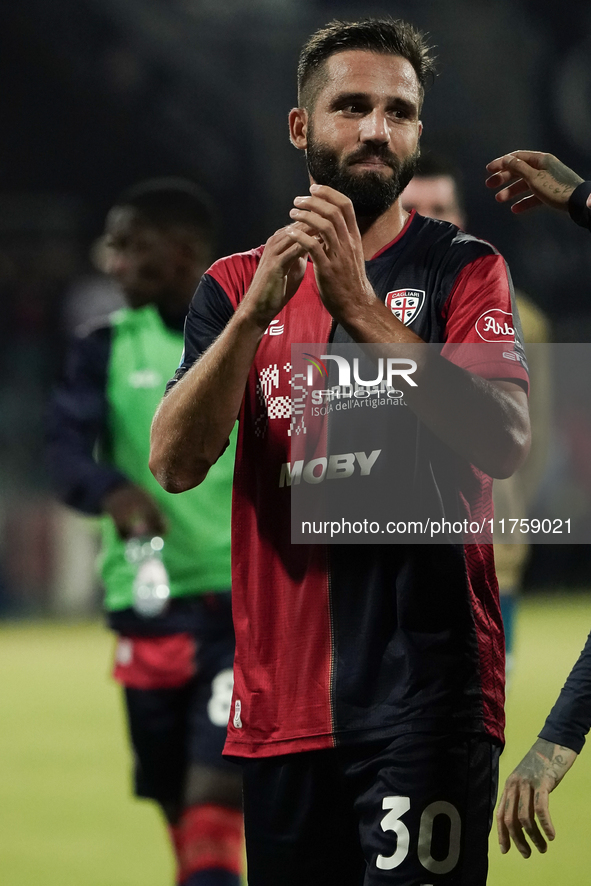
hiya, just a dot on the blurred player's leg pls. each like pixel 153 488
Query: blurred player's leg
pixel 208 840
pixel 209 836
pixel 177 735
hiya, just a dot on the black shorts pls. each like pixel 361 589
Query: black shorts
pixel 172 727
pixel 413 811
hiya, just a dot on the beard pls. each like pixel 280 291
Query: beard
pixel 371 193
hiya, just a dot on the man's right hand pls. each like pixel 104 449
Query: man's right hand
pixel 133 511
pixel 542 178
pixel 277 278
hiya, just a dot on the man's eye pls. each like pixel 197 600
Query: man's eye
pixel 354 109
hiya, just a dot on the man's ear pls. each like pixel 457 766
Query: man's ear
pixel 420 128
pixel 298 128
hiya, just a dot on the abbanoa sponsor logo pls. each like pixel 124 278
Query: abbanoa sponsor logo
pixel 495 325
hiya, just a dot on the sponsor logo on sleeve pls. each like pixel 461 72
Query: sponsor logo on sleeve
pixel 406 304
pixel 495 325
pixel 275 328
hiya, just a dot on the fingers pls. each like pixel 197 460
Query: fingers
pixel 133 512
pixel 309 243
pixel 516 817
pixel 332 206
pixel 512 168
pixel 280 252
pixel 533 159
pixel 515 802
pixel 325 224
pixel 542 811
pixel 530 202
pixel 295 275
pixel 550 181
pixel 513 190
pixel 339 200
pixel 147 520
pixel 499 178
pixel 502 830
pixel 291 253
pixel 527 820
pixel 323 219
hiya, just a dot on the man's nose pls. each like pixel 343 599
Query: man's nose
pixel 374 128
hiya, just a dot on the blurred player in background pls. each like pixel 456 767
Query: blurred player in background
pixel 540 179
pixel 435 191
pixel 175 664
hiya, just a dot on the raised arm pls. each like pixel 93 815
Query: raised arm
pixel 539 178
pixel 194 420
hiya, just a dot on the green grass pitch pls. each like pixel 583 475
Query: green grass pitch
pixel 67 817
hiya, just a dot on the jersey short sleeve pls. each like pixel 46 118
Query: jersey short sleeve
pixel 209 312
pixel 220 291
pixel 482 329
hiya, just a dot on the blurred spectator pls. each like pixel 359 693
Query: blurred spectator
pixel 175 644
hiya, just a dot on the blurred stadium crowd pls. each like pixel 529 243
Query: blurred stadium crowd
pixel 99 95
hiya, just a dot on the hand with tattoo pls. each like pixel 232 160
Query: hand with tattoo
pixel 542 178
pixel 526 797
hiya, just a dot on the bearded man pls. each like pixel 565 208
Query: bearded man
pixel 368 696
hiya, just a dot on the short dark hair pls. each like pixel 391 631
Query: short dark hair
pixel 168 202
pixel 434 165
pixel 431 165
pixel 386 36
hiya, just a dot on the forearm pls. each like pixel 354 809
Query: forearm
pixel 194 420
pixel 480 420
pixel 570 719
pixel 76 421
pixel 485 422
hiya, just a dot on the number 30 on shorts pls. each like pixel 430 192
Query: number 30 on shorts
pixel 397 806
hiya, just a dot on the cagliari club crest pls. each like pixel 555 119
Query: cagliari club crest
pixel 406 304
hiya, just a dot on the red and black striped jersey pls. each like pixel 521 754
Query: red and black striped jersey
pixel 351 643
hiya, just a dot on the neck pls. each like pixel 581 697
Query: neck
pixel 378 232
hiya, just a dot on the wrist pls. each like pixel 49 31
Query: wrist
pixel 252 319
pixel 578 205
pixel 354 307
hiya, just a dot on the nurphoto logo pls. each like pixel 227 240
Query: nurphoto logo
pixel 401 367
